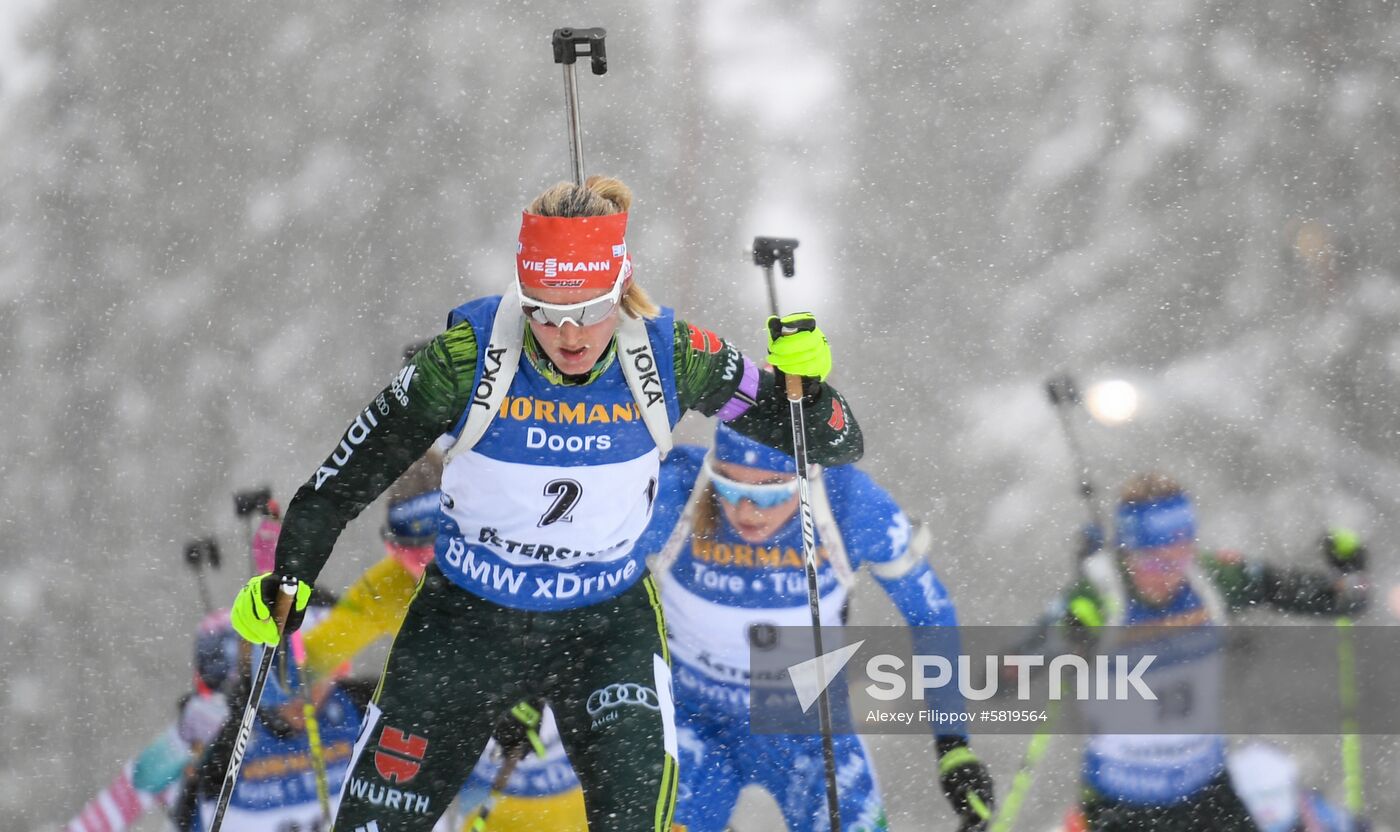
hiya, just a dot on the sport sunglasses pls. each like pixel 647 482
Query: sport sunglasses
pixel 767 495
pixel 587 313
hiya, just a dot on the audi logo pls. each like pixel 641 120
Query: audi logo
pixel 616 695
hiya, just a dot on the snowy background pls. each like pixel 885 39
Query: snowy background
pixel 220 223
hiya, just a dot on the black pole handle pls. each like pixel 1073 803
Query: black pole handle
pixel 777 329
pixel 201 551
pixel 569 45
pixel 1064 395
pixel 252 501
pixel 1061 390
pixel 770 250
pixel 198 552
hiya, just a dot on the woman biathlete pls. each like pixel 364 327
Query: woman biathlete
pixel 561 397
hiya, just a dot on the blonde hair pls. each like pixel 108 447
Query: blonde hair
pixel 599 196
pixel 1149 488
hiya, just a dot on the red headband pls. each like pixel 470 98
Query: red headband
pixel 571 252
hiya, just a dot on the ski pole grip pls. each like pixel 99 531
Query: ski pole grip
pixel 777 328
pixel 252 501
pixel 794 387
pixel 282 608
pixel 567 43
pixel 201 551
pixel 770 250
pixel 1061 390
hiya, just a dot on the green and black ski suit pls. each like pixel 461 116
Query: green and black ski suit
pixel 536 591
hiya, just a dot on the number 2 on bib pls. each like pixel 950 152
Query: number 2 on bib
pixel 566 494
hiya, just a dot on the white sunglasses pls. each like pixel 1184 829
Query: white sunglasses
pixel 762 495
pixel 585 313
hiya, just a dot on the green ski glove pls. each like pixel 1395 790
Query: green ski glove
pixel 520 731
pixel 797 347
pixel 1344 550
pixel 966 782
pixel 252 609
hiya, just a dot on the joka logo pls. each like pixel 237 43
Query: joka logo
pixel 490 370
pixel 399 755
pixel 645 367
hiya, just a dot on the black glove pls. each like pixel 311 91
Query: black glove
pixel 966 782
pixel 519 731
pixel 1344 551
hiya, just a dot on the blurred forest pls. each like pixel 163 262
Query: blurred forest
pixel 221 223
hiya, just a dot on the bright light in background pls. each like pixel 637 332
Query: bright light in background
pixel 1111 402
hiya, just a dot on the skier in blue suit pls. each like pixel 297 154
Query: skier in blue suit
pixel 729 537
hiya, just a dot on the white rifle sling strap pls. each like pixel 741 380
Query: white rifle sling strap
pixel 639 366
pixel 660 563
pixel 507 341
pixel 825 521
pixel 822 517
pixel 1101 570
pixel 915 553
pixel 503 351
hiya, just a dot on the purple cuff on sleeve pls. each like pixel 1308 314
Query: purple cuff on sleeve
pixel 744 397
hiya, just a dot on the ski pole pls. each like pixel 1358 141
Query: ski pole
pixel 1354 783
pixel 281 608
pixel 809 551
pixel 251 505
pixel 770 250
pixel 529 717
pixel 1348 546
pixel 498 785
pixel 569 44
pixel 197 553
pixel 1353 777
pixel 1010 808
pixel 313 737
pixel 1064 396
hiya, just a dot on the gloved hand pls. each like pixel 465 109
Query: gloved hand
pixel 797 347
pixel 519 731
pixel 252 609
pixel 1344 551
pixel 966 782
pixel 201 718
